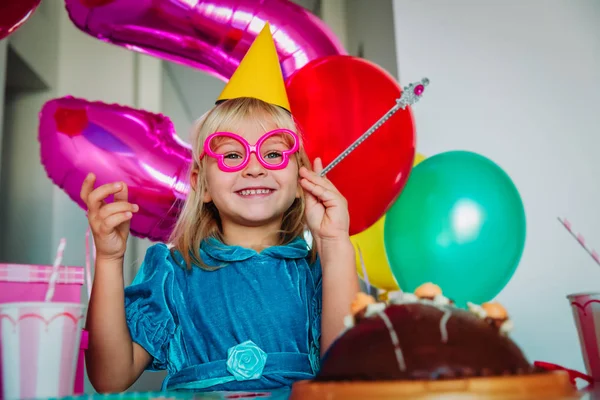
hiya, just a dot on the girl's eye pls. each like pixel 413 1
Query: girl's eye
pixel 232 156
pixel 273 154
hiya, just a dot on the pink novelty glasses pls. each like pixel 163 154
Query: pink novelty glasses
pixel 232 151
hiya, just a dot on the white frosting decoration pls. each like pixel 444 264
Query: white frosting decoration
pixel 441 300
pixel 349 321
pixel 399 297
pixel 477 310
pixel 373 309
pixel 506 327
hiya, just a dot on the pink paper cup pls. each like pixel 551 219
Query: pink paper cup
pixel 39 344
pixel 586 312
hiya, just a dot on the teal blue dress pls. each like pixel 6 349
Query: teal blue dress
pixel 253 324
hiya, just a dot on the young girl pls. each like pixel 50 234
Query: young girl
pixel 238 301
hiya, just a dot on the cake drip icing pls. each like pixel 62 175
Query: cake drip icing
pixel 395 341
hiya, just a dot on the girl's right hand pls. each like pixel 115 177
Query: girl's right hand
pixel 109 221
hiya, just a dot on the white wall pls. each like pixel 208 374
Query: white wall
pixel 188 93
pixel 26 192
pixel 370 26
pixel 518 82
pixel 37 41
pixel 335 15
pixel 175 105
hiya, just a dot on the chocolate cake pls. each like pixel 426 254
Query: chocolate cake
pixel 420 346
pixel 433 342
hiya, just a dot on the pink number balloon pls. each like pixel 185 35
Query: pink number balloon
pixel 118 143
pixel 14 13
pixel 212 36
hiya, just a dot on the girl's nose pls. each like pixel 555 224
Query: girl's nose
pixel 254 167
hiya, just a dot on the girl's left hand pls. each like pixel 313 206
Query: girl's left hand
pixel 326 209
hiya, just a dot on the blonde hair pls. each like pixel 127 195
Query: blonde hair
pixel 198 220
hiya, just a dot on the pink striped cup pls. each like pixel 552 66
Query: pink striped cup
pixel 39 344
pixel 586 312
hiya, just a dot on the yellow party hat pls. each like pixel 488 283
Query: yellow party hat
pixel 259 74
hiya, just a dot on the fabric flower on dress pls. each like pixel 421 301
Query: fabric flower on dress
pixel 246 361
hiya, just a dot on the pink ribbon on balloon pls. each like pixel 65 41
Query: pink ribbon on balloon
pixel 118 144
pixel 212 36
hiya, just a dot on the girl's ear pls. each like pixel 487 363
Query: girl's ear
pixel 194 183
pixel 194 178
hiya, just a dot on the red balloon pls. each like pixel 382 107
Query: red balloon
pixel 335 100
pixel 14 13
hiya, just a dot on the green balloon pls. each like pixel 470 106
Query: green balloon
pixel 459 223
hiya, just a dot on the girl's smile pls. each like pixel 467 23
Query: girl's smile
pixel 256 192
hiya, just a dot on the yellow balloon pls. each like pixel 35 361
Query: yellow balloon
pixel 418 158
pixel 369 246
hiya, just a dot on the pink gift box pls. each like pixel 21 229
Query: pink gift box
pixel 23 283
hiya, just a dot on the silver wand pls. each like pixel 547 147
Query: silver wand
pixel 410 95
